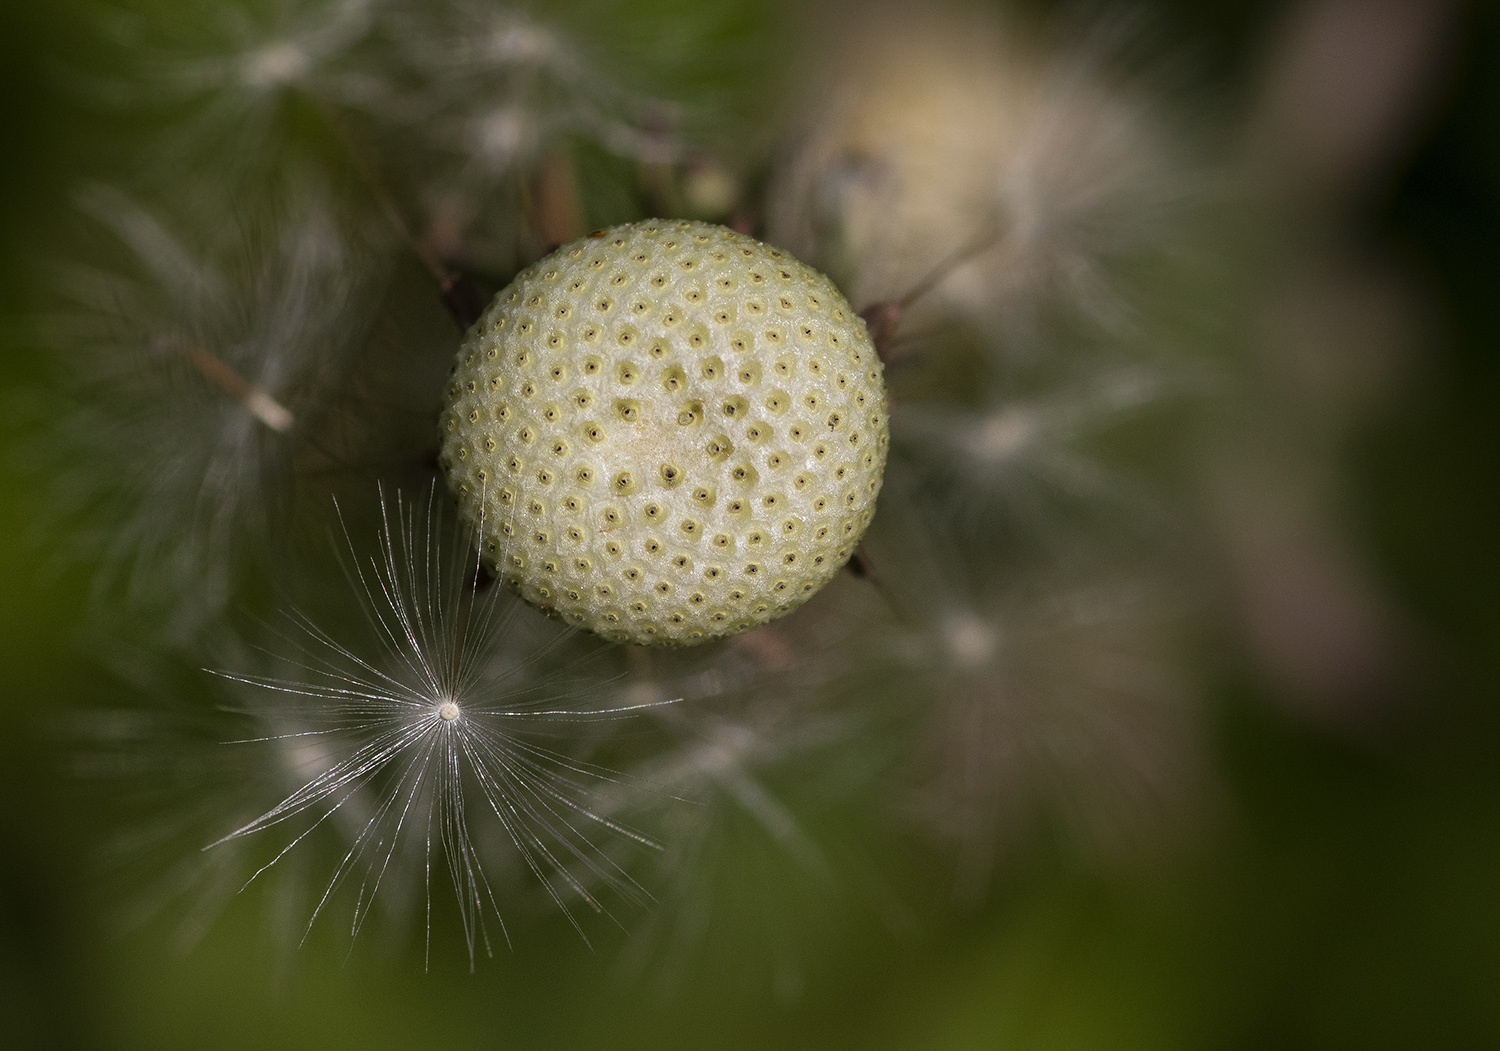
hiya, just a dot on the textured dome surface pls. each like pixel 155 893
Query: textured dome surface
pixel 667 432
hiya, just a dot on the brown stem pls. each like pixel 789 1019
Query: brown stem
pixel 861 567
pixel 556 213
pixel 456 291
pixel 883 318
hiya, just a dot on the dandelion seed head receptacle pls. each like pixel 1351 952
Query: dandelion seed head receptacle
pixel 669 431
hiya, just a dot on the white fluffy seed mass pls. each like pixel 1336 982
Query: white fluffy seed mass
pixel 667 432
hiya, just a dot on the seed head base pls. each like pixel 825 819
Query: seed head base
pixel 667 432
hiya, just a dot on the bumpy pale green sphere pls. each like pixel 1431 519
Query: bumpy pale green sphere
pixel 667 432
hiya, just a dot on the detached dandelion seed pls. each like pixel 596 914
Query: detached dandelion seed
pixel 439 738
pixel 1052 691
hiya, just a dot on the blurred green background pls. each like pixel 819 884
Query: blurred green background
pixel 1346 893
